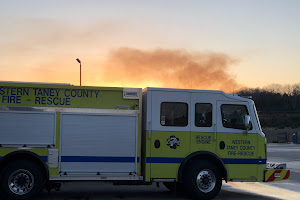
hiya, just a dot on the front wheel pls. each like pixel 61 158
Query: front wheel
pixel 21 179
pixel 203 179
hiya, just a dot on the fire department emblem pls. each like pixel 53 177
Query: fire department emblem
pixel 173 142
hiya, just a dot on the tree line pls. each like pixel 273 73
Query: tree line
pixel 277 105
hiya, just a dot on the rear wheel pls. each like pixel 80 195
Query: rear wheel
pixel 203 179
pixel 21 179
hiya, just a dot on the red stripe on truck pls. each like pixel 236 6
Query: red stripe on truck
pixel 287 175
pixel 272 177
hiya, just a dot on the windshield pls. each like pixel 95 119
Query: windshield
pixel 257 119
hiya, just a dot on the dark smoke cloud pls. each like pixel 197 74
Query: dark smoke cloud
pixel 170 68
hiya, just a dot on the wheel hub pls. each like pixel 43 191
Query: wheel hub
pixel 206 180
pixel 21 182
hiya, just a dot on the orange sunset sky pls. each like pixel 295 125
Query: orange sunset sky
pixel 197 44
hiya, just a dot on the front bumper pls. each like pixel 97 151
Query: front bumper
pixel 276 172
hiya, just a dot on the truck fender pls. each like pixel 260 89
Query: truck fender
pixel 28 155
pixel 203 155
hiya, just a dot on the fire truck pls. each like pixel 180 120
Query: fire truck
pixel 189 140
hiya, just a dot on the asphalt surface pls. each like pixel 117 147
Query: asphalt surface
pixel 289 154
pixel 280 153
pixel 97 191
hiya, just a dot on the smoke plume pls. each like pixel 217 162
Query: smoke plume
pixel 169 68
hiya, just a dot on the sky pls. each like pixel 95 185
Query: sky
pixel 198 44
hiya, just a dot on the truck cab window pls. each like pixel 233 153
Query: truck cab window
pixel 203 115
pixel 233 116
pixel 174 114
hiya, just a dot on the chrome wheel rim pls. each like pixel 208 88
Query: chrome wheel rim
pixel 206 180
pixel 21 182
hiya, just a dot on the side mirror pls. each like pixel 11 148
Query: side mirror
pixel 247 122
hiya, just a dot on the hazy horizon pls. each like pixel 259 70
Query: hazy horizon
pixel 192 44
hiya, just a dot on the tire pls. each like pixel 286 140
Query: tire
pixel 21 179
pixel 171 186
pixel 203 179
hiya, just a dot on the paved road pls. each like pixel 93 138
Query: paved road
pixel 103 191
pixel 288 153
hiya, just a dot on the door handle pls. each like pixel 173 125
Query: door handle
pixel 149 131
pixel 123 106
pixel 215 132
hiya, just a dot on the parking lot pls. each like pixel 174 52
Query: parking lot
pixel 283 153
pixel 289 154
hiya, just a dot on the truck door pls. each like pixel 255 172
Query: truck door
pixel 235 145
pixel 170 132
pixel 203 122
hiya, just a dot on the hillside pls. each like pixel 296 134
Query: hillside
pixel 277 107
